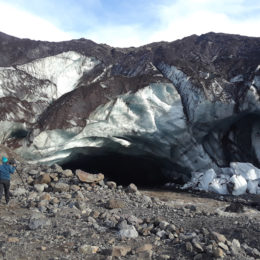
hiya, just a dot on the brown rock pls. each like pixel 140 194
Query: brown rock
pixel 30 180
pixel 55 201
pixel 120 250
pixel 57 168
pixel 197 246
pixel 111 184
pixel 88 249
pixel 67 173
pixel 223 246
pixel 74 187
pixel 218 237
pixel 218 252
pixel 95 214
pixel 88 177
pixel 45 196
pixel 189 246
pixel 13 239
pixel 60 187
pixel 54 176
pixel 144 248
pixel 144 255
pixel 114 204
pixel 43 179
pixel 43 203
pixel 132 188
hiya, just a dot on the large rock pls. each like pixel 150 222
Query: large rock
pixel 119 251
pixel 115 203
pixel 61 187
pixel 88 249
pixel 128 232
pixel 40 187
pixel 88 177
pixel 44 178
pixel 20 191
pixel 68 173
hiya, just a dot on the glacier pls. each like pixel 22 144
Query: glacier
pixel 185 110
pixel 30 88
pixel 64 70
pixel 172 122
pixel 149 122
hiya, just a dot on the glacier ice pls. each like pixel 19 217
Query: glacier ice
pixel 239 184
pixel 16 83
pixel 238 179
pixel 176 122
pixel 64 69
pixel 149 121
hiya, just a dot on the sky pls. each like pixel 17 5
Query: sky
pixel 125 23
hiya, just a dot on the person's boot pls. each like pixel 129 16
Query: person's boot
pixel 7 201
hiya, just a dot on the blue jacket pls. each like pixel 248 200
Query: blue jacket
pixel 5 171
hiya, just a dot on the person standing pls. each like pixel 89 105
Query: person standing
pixel 5 171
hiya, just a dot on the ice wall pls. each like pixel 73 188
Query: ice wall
pixel 148 122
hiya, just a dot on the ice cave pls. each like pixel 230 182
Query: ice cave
pixel 123 169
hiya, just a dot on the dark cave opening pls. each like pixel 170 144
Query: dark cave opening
pixel 144 171
pixel 18 133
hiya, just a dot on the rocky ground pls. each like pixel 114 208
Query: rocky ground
pixel 60 214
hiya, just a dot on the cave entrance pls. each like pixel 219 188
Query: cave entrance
pixel 144 171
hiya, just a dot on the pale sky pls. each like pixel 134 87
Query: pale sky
pixel 125 23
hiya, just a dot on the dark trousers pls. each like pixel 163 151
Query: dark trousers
pixel 4 185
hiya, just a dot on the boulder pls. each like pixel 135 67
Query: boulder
pixel 128 232
pixel 115 203
pixel 40 187
pixel 20 191
pixel 68 173
pixel 218 237
pixel 218 252
pixel 119 251
pixel 111 184
pixel 45 196
pixel 13 239
pixel 74 187
pixel 132 188
pixel 88 249
pixel 61 187
pixel 144 248
pixel 57 168
pixel 88 177
pixel 33 172
pixel 44 178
